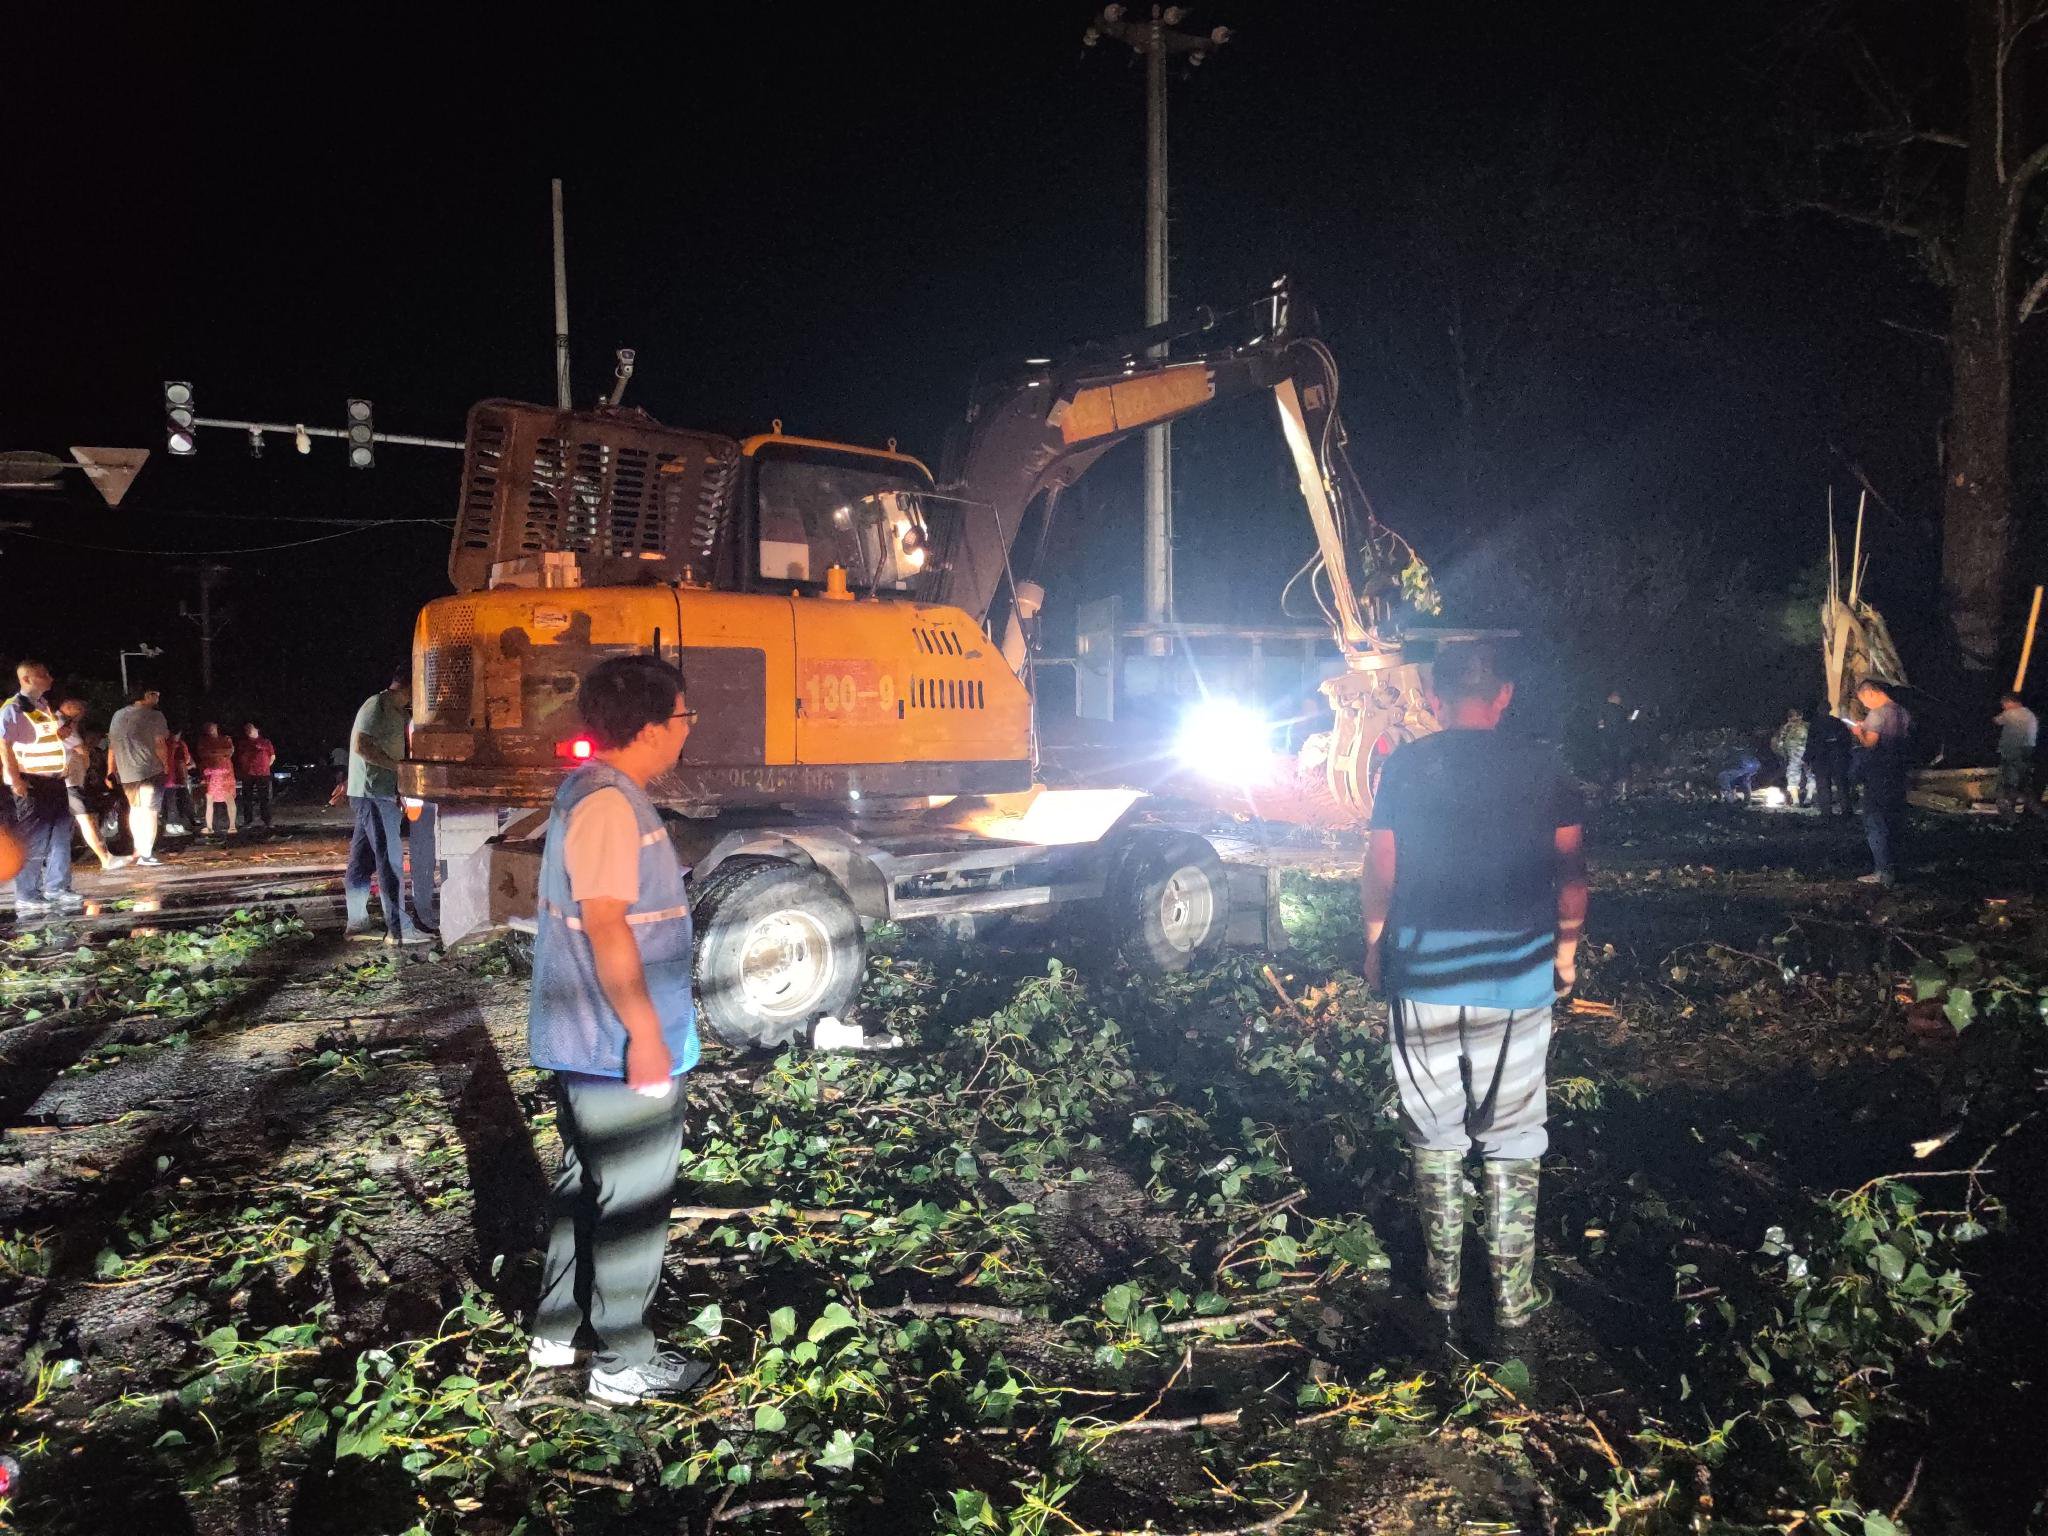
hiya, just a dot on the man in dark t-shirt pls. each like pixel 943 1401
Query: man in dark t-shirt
pixel 1475 894
pixel 1884 743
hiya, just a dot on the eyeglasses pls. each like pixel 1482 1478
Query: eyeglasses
pixel 689 715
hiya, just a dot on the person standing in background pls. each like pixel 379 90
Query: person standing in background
pixel 216 757
pixel 1614 729
pixel 138 759
pixel 255 757
pixel 1827 762
pixel 213 762
pixel 376 747
pixel 1789 742
pixel 182 808
pixel 77 772
pixel 32 761
pixel 1884 737
pixel 2018 732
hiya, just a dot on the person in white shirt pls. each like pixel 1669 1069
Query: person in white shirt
pixel 2018 731
pixel 138 759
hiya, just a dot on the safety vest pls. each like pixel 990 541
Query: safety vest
pixel 44 756
pixel 571 1025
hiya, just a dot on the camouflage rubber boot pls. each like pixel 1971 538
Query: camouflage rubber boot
pixel 1510 1222
pixel 1440 1203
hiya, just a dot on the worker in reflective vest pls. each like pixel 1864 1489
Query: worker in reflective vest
pixel 613 1018
pixel 32 762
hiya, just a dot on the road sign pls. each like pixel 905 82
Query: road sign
pixel 111 470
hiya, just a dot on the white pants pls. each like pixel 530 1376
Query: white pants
pixel 1472 1077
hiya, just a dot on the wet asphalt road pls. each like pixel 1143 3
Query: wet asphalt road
pixel 202 879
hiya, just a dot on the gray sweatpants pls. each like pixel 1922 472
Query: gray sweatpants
pixel 610 1216
pixel 1472 1077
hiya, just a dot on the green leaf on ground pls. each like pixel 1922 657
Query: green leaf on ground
pixel 834 1319
pixel 838 1452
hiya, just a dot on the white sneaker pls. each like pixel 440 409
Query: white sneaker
pixel 550 1354
pixel 117 861
pixel 149 861
pixel 30 907
pixel 68 901
pixel 668 1374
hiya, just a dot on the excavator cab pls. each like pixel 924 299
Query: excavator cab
pixel 875 516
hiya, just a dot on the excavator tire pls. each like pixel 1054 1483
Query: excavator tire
pixel 1170 901
pixel 778 946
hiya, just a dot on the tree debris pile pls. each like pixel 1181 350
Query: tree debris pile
pixel 1102 1254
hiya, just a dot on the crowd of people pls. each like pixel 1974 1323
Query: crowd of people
pixel 1836 765
pixel 68 782
pixel 141 779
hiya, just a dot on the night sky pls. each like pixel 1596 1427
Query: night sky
pixel 833 216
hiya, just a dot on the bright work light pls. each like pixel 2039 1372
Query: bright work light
pixel 1224 740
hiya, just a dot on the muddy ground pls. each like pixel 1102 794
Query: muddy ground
pixel 1100 1254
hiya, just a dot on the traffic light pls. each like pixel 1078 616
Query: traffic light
pixel 362 437
pixel 180 418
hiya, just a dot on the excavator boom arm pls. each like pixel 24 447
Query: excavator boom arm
pixel 1037 433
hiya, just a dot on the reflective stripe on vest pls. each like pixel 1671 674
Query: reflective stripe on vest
pixel 45 755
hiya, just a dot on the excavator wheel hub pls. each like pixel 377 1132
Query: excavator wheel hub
pixel 1187 907
pixel 785 962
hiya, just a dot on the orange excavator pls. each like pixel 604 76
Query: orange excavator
pixel 856 645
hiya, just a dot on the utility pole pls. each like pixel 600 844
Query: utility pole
pixel 1156 40
pixel 562 400
pixel 208 624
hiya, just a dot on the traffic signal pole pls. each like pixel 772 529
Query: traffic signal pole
pixel 292 428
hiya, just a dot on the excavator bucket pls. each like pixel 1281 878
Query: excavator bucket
pixel 1380 703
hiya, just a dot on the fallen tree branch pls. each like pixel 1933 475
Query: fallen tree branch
pixel 1293 1007
pixel 2032 300
pixel 618 1484
pixel 792 1213
pixel 723 1511
pixel 1270 1523
pixel 1224 1420
pixel 1011 1317
pixel 1912 1487
pixel 547 1400
pixel 1220 1320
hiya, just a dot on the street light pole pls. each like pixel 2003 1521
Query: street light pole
pixel 1156 40
pixel 147 653
pixel 562 400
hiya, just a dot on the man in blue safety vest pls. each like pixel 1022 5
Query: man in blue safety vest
pixel 613 1018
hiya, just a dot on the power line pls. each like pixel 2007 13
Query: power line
pixel 248 549
pixel 265 517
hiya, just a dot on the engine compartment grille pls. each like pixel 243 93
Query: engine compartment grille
pixel 612 485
